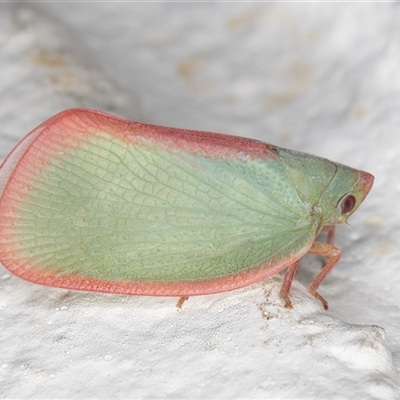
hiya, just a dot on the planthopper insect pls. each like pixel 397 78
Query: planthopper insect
pixel 93 202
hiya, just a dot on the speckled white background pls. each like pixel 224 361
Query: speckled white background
pixel 320 78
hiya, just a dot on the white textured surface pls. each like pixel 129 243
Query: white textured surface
pixel 321 78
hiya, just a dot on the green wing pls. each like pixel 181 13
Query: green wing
pixel 142 212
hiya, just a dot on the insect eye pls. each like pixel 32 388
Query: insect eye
pixel 347 203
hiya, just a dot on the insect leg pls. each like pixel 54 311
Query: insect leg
pixel 181 301
pixel 330 230
pixel 287 283
pixel 332 255
pixel 331 235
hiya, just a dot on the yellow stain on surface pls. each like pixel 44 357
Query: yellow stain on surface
pixel 359 113
pixel 383 248
pixel 43 59
pixel 302 75
pixel 242 21
pixel 64 81
pixel 285 136
pixel 188 70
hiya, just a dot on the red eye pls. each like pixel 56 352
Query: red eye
pixel 347 203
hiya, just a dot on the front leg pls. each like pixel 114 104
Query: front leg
pixel 332 255
pixel 330 229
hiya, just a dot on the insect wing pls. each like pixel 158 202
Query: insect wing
pixel 96 203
